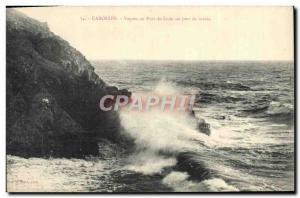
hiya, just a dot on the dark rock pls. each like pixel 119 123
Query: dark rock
pixel 52 95
pixel 202 125
pixel 187 162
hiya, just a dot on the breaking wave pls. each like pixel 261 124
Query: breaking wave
pixel 277 108
pixel 162 140
pixel 179 181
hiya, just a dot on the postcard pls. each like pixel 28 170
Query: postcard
pixel 150 99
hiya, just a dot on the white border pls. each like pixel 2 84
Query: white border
pixel 152 2
pixel 4 3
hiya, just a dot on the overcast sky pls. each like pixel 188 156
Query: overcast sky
pixel 218 33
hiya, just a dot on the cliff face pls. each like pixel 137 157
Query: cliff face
pixel 52 95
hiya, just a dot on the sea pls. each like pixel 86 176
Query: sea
pixel 249 106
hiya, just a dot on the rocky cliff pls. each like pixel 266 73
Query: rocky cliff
pixel 52 95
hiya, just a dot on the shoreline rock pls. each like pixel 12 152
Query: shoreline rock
pixel 52 95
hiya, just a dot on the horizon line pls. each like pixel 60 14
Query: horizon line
pixel 192 60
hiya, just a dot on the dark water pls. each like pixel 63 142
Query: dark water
pixel 249 105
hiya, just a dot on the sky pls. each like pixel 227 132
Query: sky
pixel 173 33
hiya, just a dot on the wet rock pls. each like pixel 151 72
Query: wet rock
pixel 202 125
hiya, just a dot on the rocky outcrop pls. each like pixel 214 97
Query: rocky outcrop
pixel 53 95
